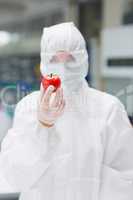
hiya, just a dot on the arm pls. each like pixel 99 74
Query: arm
pixel 117 171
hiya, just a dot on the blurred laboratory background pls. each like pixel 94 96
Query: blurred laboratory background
pixel 107 26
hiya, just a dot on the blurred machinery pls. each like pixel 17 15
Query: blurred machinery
pixel 117 52
pixel 19 75
pixel 18 67
pixel 117 63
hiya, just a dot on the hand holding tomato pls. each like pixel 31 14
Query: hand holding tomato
pixel 49 112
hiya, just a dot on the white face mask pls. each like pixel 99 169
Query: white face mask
pixel 56 68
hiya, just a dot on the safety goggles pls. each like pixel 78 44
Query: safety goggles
pixel 73 58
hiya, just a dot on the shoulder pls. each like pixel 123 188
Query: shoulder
pixel 30 97
pixel 104 103
pixel 104 97
pixel 29 102
pixel 26 111
pixel 100 98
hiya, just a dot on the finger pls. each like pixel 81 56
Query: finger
pixel 62 106
pixel 47 95
pixel 57 98
pixel 60 102
pixel 61 98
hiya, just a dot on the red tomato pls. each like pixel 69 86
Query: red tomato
pixel 51 80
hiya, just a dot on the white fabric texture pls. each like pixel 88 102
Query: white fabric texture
pixel 86 155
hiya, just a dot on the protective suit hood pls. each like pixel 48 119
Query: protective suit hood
pixel 64 37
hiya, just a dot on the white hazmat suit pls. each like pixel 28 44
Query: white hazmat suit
pixel 87 154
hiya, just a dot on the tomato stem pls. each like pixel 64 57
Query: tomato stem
pixel 51 75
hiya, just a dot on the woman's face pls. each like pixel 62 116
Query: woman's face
pixel 62 56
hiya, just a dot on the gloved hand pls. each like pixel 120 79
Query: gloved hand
pixel 50 106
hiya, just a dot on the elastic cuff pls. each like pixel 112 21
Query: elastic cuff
pixel 46 125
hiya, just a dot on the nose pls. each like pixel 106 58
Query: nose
pixel 62 56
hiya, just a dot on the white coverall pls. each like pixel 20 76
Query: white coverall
pixel 86 155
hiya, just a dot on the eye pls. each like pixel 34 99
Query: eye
pixel 54 59
pixel 70 58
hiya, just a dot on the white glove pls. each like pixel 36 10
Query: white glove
pixel 51 106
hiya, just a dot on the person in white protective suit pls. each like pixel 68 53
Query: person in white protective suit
pixel 76 144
